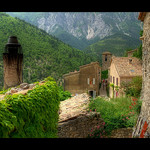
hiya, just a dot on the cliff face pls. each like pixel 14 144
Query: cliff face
pixel 80 25
pixel 87 27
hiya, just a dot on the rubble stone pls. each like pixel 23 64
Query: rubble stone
pixel 24 85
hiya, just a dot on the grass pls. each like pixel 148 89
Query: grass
pixel 118 112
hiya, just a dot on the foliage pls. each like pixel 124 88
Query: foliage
pixel 4 91
pixel 116 44
pixel 112 86
pixel 141 33
pixel 63 94
pixel 138 53
pixel 104 74
pixel 99 132
pixel 134 87
pixel 118 112
pixel 44 54
pixel 126 52
pixel 34 115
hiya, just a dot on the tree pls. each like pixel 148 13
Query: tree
pixel 134 87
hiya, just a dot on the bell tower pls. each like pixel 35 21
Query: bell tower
pixel 13 63
pixel 106 60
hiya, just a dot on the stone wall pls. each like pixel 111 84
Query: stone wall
pixel 79 126
pixel 106 64
pixel 122 133
pixel 12 69
pixel 77 82
pixel 144 116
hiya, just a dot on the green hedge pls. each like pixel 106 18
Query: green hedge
pixel 34 115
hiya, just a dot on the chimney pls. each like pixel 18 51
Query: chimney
pixel 13 63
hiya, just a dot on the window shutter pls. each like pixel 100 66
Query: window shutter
pixel 88 81
pixel 93 80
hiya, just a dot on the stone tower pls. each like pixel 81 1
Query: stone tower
pixel 13 63
pixel 106 60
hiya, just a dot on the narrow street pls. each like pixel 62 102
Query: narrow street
pixel 103 92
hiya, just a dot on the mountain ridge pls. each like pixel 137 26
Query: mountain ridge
pixel 84 28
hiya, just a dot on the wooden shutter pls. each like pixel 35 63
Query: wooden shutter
pixel 88 81
pixel 93 80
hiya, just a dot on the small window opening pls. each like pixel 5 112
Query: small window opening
pixel 105 57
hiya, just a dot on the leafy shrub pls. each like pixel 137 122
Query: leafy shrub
pixel 134 87
pixel 118 112
pixel 63 94
pixel 138 53
pixel 34 115
pixel 104 74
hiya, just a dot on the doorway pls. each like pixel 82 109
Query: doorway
pixel 92 94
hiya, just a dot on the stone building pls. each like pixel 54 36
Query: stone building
pixel 106 60
pixel 87 79
pixel 13 61
pixel 123 69
pixel 142 128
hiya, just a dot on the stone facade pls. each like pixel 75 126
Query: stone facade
pixel 106 60
pixel 12 69
pixel 144 116
pixel 79 126
pixel 13 63
pixel 85 80
pixel 75 119
pixel 122 70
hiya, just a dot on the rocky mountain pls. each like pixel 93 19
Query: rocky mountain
pixel 81 29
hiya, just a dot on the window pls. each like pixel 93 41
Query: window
pixel 113 80
pixel 117 81
pixel 105 57
pixel 88 81
pixel 93 80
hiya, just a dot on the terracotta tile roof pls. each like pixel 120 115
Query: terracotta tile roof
pixel 132 51
pixel 92 63
pixel 125 69
pixel 71 73
pixel 108 53
pixel 142 16
pixel 77 72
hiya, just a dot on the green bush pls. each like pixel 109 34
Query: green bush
pixel 118 112
pixel 63 94
pixel 34 115
pixel 134 87
pixel 104 74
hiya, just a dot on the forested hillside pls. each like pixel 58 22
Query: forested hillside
pixel 117 44
pixel 44 55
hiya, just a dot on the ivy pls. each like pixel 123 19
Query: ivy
pixel 34 115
